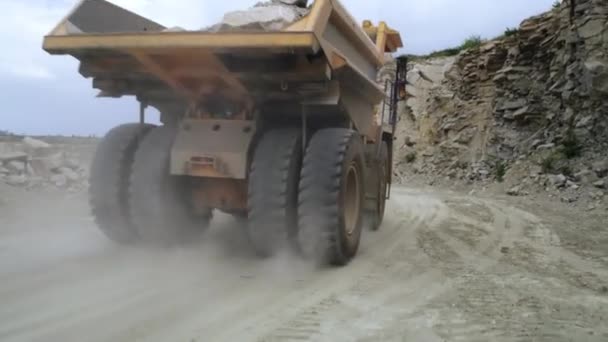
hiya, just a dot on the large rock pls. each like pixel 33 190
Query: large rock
pixel 596 75
pixel 16 180
pixel 59 180
pixel 44 166
pixel 36 148
pixel 591 28
pixel 586 177
pixel 601 168
pixel 69 174
pixel 16 166
pixel 557 180
pixel 72 164
pixel 35 143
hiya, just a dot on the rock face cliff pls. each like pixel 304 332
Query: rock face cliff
pixel 528 105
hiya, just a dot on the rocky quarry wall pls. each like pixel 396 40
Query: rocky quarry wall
pixel 533 105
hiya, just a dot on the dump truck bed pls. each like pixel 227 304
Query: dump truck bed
pixel 159 66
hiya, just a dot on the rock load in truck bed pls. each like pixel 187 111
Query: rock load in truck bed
pixel 273 15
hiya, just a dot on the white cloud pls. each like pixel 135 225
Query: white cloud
pixel 21 29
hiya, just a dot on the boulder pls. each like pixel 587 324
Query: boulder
pixel 591 28
pixel 16 180
pixel 16 166
pixel 59 180
pixel 585 177
pixel 601 168
pixel 72 164
pixel 35 143
pixel 596 75
pixel 514 104
pixel 514 191
pixel 601 184
pixel 557 180
pixel 46 165
pixel 572 185
pixel 37 148
pixel 545 147
pixel 70 175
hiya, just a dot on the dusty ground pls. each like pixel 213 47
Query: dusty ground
pixel 444 267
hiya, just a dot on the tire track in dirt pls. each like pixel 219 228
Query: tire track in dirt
pixel 444 267
pixel 330 319
pixel 488 294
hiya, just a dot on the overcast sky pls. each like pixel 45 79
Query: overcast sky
pixel 44 94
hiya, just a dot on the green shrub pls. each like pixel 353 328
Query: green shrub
pixel 471 42
pixel 557 4
pixel 556 162
pixel 501 170
pixel 548 164
pixel 410 157
pixel 445 53
pixel 571 147
pixel 511 31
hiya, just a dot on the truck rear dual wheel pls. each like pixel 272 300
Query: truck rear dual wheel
pixel 132 195
pixel 161 206
pixel 331 196
pixel 110 180
pixel 273 190
pixel 382 172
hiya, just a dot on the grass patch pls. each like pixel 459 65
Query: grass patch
pixel 472 42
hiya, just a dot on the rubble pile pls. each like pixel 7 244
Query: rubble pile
pixel 529 107
pixel 33 163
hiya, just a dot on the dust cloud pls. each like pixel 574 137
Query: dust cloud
pixel 443 267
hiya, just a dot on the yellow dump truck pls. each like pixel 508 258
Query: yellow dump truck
pixel 287 129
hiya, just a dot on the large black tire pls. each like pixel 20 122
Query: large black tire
pixel 109 181
pixel 377 216
pixel 161 206
pixel 331 198
pixel 273 190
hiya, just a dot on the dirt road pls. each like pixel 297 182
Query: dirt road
pixel 444 267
